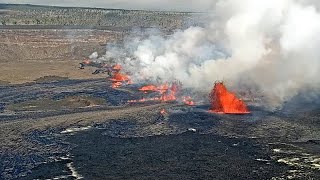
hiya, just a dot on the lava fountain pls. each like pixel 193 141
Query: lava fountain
pixel 225 102
pixel 118 78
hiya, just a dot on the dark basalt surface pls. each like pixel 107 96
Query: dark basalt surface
pixel 183 156
pixel 116 140
pixel 187 155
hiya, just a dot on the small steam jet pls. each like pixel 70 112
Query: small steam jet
pixel 101 67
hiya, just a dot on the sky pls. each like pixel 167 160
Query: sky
pixel 167 5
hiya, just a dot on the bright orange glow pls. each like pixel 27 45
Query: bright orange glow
pixel 223 101
pixel 163 112
pixel 166 94
pixel 188 100
pixel 116 84
pixel 118 79
pixel 86 61
pixel 117 67
pixel 149 88
pixel 163 88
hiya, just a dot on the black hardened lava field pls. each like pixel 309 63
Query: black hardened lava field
pixel 98 135
pixel 176 90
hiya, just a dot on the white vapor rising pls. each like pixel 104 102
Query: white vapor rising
pixel 271 45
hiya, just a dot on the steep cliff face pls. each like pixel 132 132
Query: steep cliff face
pixel 52 44
pixel 28 54
pixel 41 41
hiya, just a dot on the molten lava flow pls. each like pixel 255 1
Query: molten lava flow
pixel 188 100
pixel 223 101
pixel 116 84
pixel 149 88
pixel 118 79
pixel 163 112
pixel 117 67
pixel 168 94
pixel 163 88
pixel 165 93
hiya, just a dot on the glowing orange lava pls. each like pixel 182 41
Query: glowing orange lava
pixel 118 79
pixel 166 93
pixel 188 100
pixel 163 112
pixel 223 101
pixel 149 88
pixel 117 67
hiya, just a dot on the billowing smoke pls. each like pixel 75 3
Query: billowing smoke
pixel 266 46
pixel 94 55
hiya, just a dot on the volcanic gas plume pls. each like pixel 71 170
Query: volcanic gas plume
pixel 268 47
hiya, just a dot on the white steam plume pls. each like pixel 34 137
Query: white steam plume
pixel 94 55
pixel 271 45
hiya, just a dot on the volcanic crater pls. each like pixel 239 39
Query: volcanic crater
pixel 58 121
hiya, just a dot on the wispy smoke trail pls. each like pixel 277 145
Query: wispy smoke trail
pixel 270 46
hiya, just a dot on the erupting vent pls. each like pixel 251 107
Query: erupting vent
pixel 149 88
pixel 223 101
pixel 167 94
pixel 118 78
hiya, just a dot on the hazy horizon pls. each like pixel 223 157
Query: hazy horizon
pixel 161 5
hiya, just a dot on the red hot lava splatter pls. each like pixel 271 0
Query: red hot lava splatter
pixel 223 101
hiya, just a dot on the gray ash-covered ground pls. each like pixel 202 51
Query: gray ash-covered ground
pixel 92 132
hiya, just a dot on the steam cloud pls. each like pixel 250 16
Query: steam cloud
pixel 268 46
